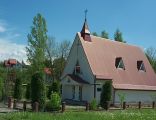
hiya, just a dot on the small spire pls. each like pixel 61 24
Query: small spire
pixel 85 33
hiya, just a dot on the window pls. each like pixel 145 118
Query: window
pixel 140 65
pixel 68 80
pixel 80 92
pixel 119 63
pixel 77 68
pixel 73 92
pixel 99 89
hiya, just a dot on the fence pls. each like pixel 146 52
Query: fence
pixel 35 107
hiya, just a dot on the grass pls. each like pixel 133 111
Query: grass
pixel 144 114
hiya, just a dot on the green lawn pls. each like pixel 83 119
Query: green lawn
pixel 147 114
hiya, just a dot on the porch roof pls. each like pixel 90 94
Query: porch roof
pixel 77 79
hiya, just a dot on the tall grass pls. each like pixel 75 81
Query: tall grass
pixel 146 114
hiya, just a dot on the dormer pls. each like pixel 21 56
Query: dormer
pixel 141 66
pixel 119 63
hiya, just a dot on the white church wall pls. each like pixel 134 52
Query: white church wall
pixel 77 54
pixel 87 93
pixel 66 92
pixel 133 96
pixel 99 85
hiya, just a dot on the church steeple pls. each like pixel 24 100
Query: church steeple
pixel 85 33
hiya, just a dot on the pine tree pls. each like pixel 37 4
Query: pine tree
pixel 118 36
pixel 104 34
pixel 36 53
pixel 38 89
pixel 18 89
pixel 95 34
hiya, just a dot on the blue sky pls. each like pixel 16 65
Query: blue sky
pixel 135 18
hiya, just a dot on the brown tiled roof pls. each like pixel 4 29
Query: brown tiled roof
pixel 77 79
pixel 101 54
pixel 136 87
pixel 12 61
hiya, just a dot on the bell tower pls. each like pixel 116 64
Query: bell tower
pixel 85 33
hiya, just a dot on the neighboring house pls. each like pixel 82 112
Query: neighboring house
pixel 94 60
pixel 13 63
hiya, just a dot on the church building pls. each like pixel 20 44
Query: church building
pixel 94 60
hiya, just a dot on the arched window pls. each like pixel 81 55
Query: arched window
pixel 77 68
pixel 140 65
pixel 119 63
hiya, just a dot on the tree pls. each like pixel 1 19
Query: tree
pixel 151 55
pixel 1 88
pixel 106 93
pixel 3 82
pixel 58 66
pixel 28 91
pixel 57 54
pixel 95 34
pixel 37 44
pixel 104 34
pixel 51 53
pixel 62 53
pixel 18 89
pixel 38 88
pixel 64 48
pixel 118 36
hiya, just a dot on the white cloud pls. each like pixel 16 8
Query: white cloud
pixel 3 25
pixel 12 50
pixel 2 29
pixel 9 49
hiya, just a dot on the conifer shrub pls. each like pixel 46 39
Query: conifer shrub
pixel 106 94
pixel 28 91
pixel 38 93
pixel 18 89
pixel 1 88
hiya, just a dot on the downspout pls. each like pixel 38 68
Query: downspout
pixel 95 86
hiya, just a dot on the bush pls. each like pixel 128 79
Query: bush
pixel 106 94
pixel 93 104
pixel 38 89
pixel 122 97
pixel 18 89
pixel 55 87
pixel 1 88
pixel 54 103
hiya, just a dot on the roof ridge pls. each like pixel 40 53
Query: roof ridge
pixel 112 40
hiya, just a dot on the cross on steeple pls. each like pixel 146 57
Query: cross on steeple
pixel 86 14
